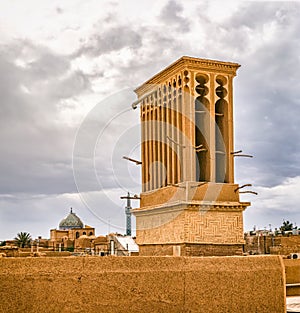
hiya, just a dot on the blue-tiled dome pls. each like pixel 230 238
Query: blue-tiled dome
pixel 71 221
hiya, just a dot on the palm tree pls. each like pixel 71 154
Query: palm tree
pixel 23 239
pixel 286 226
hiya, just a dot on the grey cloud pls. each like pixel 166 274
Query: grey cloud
pixel 36 147
pixel 112 39
pixel 254 15
pixel 48 65
pixel 59 10
pixel 251 25
pixel 34 89
pixel 9 90
pixel 158 50
pixel 171 16
pixel 269 114
pixel 37 161
pixel 70 86
pixel 37 59
pixel 101 142
pixel 255 21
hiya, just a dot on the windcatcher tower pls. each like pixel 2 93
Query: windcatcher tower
pixel 189 202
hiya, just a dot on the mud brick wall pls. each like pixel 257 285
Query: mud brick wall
pixel 286 245
pixel 292 271
pixel 142 284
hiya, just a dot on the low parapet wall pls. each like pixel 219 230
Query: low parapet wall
pixel 142 284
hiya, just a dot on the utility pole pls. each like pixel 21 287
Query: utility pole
pixel 128 212
pixel 128 215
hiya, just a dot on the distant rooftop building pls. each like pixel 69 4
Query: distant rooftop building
pixel 128 243
pixel 70 222
pixel 115 244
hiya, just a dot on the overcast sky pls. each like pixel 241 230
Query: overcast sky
pixel 67 74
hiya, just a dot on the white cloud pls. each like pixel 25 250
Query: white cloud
pixel 281 197
pixel 273 204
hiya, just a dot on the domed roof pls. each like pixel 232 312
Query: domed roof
pixel 71 221
pixel 101 239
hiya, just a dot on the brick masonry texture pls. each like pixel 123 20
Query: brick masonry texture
pixel 188 226
pixel 191 249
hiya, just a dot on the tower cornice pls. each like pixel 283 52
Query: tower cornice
pixel 188 63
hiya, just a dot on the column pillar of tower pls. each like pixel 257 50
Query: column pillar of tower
pixel 158 141
pixel 179 129
pixel 230 131
pixel 146 152
pixel 173 137
pixel 163 136
pixel 212 125
pixel 150 143
pixel 188 130
pixel 168 135
pixel 143 146
pixel 153 144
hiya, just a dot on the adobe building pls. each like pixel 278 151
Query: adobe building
pixel 72 234
pixel 115 244
pixel 268 242
pixel 189 203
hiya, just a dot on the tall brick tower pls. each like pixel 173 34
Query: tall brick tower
pixel 189 202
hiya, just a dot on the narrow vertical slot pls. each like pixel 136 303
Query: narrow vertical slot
pixel 202 129
pixel 221 132
pixel 180 140
pixel 164 130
